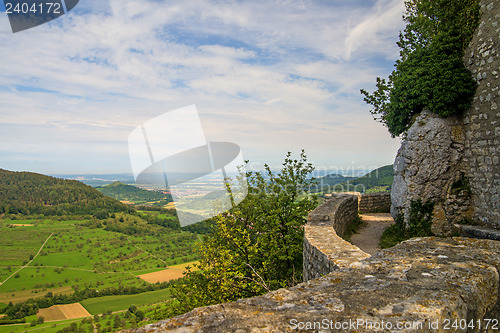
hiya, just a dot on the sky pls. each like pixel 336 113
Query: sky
pixel 270 76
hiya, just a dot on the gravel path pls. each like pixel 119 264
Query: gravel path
pixel 368 237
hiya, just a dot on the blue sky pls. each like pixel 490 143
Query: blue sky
pixel 271 76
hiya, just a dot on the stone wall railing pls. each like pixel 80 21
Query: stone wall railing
pixel 324 249
pixel 375 202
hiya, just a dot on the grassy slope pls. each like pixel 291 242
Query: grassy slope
pixel 377 180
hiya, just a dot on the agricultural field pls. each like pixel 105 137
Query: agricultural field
pixel 48 327
pixel 110 315
pixel 48 256
pixel 63 312
pixel 122 302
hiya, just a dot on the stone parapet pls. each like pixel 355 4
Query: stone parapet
pixel 324 249
pixel 421 285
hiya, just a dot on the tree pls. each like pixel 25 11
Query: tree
pixel 430 73
pixel 139 314
pixel 257 246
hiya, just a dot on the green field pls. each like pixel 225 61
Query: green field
pixel 45 328
pixel 116 303
pixel 83 254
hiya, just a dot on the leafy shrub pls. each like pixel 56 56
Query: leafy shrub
pixel 255 247
pixel 431 73
pixel 419 225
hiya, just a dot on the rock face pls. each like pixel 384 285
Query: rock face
pixel 418 286
pixel 429 166
pixel 454 162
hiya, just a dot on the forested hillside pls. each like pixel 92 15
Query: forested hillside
pixel 32 193
pixel 383 176
pixel 378 180
pixel 124 192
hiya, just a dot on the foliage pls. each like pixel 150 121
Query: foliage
pixel 31 193
pixel 431 73
pixel 420 220
pixel 31 306
pixel 255 247
pixel 393 234
pixel 426 19
pixel 462 185
pixel 419 225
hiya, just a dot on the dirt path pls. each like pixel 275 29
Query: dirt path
pixel 368 237
pixel 30 261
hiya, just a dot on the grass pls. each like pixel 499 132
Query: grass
pixel 81 255
pixel 52 327
pixel 116 303
pixel 392 236
pixel 24 295
pixel 32 278
pixel 352 228
pixel 419 225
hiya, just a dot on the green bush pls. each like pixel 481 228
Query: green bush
pixel 432 78
pixel 419 225
pixel 431 73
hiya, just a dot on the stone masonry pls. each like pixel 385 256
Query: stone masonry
pixel 482 121
pixel 375 202
pixel 324 249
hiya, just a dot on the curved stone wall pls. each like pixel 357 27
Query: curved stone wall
pixel 324 249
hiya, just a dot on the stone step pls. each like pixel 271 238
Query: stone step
pixel 473 231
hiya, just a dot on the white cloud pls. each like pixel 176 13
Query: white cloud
pixel 376 31
pixel 270 75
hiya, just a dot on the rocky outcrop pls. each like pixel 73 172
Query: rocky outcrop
pixel 422 285
pixel 429 166
pixel 454 162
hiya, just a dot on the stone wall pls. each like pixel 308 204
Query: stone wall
pixel 419 283
pixel 482 121
pixel 375 202
pixel 324 249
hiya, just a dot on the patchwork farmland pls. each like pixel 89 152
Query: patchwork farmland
pixel 56 257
